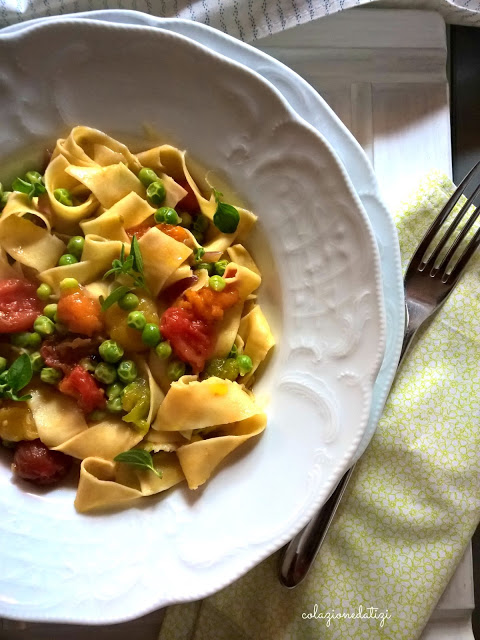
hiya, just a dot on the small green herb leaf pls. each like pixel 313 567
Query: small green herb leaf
pixel 20 185
pixel 137 256
pixel 226 218
pixel 115 296
pixel 138 458
pixel 20 373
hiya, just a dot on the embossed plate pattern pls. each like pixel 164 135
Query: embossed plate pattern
pixel 321 290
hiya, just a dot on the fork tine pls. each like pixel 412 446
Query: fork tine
pixel 417 259
pixel 448 234
pixel 464 259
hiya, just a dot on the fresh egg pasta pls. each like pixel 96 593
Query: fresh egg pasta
pixel 130 335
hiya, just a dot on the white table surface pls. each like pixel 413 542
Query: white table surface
pixel 386 79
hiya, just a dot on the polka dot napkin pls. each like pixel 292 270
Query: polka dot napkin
pixel 410 509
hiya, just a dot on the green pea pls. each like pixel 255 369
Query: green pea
pixel 44 291
pixel 26 339
pixel 129 302
pixel 4 199
pixel 217 283
pixel 147 176
pixel 105 373
pixel 172 217
pixel 66 259
pixel 50 311
pixel 156 192
pixel 97 416
pixel 205 265
pixel 63 196
pixel 198 235
pixel 114 390
pixel 220 267
pixel 37 361
pixel 151 335
pixel 175 370
pixel 61 328
pixel 44 326
pixel 127 371
pixel 3 364
pixel 245 364
pixel 198 254
pixel 87 364
pixel 163 350
pixel 215 367
pixel 230 369
pixel 187 220
pixel 200 223
pixel 110 351
pixel 69 283
pixel 50 375
pixel 33 177
pixel 115 405
pixel 233 351
pixel 166 214
pixel 136 320
pixel 75 246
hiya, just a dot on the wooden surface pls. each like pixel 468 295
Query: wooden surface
pixel 384 73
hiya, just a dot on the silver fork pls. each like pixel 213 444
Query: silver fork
pixel 429 279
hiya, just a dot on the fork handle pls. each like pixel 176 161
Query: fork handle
pixel 300 553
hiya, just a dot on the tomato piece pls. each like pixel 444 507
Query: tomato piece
pixel 209 305
pixel 176 232
pixel 35 462
pixel 65 354
pixel 191 339
pixel 81 385
pixel 80 312
pixel 139 230
pixel 188 202
pixel 19 305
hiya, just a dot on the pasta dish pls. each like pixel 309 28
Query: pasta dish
pixel 130 333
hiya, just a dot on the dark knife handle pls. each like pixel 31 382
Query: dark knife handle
pixel 300 553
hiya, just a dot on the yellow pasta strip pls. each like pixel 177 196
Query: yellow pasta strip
pixel 29 244
pixel 97 258
pixel 49 408
pixel 108 184
pixel 81 148
pixel 103 440
pixel 199 459
pixel 255 332
pixel 155 244
pixel 240 255
pixel 196 405
pixel 56 177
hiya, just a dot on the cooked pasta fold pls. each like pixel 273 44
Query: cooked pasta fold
pixel 133 331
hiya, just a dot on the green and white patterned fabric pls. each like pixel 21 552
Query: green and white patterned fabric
pixel 410 509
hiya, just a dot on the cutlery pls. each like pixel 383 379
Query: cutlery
pixel 431 275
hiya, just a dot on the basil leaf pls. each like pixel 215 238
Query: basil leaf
pixel 20 373
pixel 20 185
pixel 114 297
pixel 138 458
pixel 217 194
pixel 226 218
pixel 137 255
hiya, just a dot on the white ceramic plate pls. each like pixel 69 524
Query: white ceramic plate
pixel 321 291
pixel 312 108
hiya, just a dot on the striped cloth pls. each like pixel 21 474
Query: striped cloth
pixel 248 20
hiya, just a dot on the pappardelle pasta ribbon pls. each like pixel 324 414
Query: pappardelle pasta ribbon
pixel 134 332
